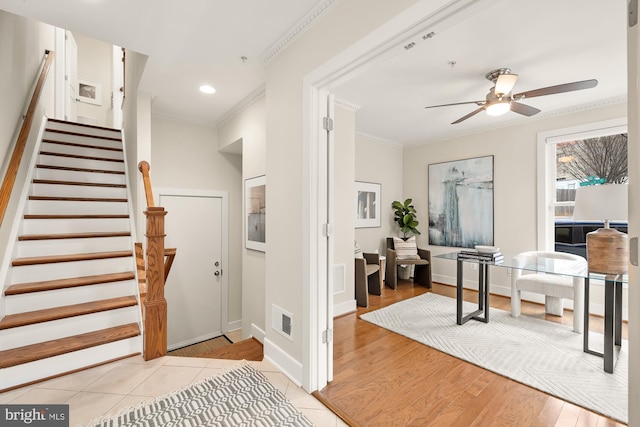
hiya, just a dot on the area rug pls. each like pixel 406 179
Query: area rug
pixel 241 397
pixel 545 355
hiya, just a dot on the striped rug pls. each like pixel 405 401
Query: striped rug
pixel 241 397
pixel 545 355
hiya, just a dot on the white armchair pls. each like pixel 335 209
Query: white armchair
pixel 555 287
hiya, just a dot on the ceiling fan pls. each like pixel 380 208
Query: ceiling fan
pixel 500 100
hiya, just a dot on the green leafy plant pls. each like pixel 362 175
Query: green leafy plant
pixel 406 217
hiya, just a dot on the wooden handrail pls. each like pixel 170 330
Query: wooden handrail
pixel 144 167
pixel 16 158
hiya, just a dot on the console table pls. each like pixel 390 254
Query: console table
pixel 612 296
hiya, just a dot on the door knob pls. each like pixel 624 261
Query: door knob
pixel 217 273
pixel 217 263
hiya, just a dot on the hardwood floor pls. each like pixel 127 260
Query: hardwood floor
pixel 384 379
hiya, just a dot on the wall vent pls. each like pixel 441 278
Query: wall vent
pixel 282 321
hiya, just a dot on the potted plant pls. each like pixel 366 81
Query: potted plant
pixel 406 217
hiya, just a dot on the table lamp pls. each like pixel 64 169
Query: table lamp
pixel 607 248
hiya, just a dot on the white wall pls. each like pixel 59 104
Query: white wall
pixel 515 184
pixel 95 65
pixel 22 46
pixel 186 156
pixel 340 27
pixel 248 128
pixel 380 162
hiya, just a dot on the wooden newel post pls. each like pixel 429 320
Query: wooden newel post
pixel 155 305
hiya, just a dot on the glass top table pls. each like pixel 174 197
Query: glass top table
pixel 538 263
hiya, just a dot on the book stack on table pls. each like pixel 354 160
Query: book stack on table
pixel 486 257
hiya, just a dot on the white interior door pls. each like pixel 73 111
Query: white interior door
pixel 71 77
pixel 194 288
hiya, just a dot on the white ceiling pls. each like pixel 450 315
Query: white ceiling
pixel 188 43
pixel 545 42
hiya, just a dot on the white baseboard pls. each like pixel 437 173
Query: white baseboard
pixel 257 333
pixel 285 363
pixel 344 308
pixel 234 325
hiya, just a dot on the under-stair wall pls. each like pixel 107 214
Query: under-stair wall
pixel 70 296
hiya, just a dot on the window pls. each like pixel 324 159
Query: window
pixel 567 157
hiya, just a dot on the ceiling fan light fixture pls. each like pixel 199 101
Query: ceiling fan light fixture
pixel 505 83
pixel 498 108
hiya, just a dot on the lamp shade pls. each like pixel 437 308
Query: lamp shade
pixel 606 202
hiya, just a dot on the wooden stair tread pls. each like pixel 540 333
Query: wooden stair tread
pixel 43 350
pixel 83 125
pixel 75 156
pixel 67 132
pixel 63 312
pixel 69 258
pixel 78 199
pixel 74 235
pixel 76 216
pixel 50 285
pixel 75 144
pixel 67 168
pixel 86 184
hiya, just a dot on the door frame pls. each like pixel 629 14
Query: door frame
pixel 224 263
pixel 374 48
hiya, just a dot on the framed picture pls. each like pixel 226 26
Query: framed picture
pixel 255 207
pixel 367 204
pixel 89 92
pixel 461 203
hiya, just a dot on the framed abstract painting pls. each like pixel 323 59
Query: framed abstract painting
pixel 461 203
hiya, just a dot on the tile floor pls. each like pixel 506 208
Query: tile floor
pixel 106 389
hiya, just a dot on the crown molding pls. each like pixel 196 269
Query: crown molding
pixel 297 30
pixel 245 103
pixel 523 120
pixel 347 105
pixel 380 140
pixel 182 119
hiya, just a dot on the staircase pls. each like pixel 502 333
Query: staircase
pixel 70 298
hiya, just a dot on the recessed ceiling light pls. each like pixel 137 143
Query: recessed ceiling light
pixel 208 89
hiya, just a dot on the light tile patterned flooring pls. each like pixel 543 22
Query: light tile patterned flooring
pixel 106 389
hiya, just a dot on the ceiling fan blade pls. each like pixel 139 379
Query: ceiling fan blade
pixel 567 87
pixel 505 84
pixel 457 103
pixel 525 110
pixel 471 114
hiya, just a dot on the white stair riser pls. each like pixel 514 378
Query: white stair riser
pixel 81 139
pixel 70 162
pixel 62 328
pixel 80 294
pixel 59 226
pixel 81 151
pixel 36 248
pixel 29 372
pixel 77 176
pixel 57 190
pixel 58 207
pixel 69 127
pixel 65 270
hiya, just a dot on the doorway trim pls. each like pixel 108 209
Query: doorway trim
pixel 379 45
pixel 224 196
